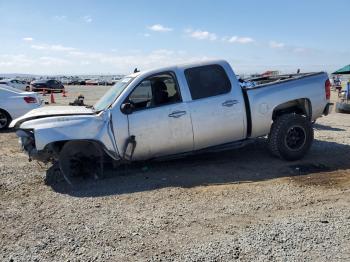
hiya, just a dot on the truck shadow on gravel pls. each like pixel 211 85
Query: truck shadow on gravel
pixel 7 131
pixel 327 128
pixel 249 164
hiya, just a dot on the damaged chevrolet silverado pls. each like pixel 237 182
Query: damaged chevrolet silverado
pixel 176 111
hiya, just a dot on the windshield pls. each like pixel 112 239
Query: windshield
pixel 111 95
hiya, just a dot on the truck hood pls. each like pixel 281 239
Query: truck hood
pixel 52 111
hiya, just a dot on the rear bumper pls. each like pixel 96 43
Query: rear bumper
pixel 328 109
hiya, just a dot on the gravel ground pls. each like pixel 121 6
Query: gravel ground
pixel 238 205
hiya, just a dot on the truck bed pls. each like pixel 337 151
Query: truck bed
pixel 271 80
pixel 270 92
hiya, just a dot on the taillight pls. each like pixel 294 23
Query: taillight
pixel 327 87
pixel 29 99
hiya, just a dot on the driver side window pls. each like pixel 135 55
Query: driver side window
pixel 155 91
pixel 141 97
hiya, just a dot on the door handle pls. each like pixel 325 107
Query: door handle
pixel 177 114
pixel 230 103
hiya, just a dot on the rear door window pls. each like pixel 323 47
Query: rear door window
pixel 207 81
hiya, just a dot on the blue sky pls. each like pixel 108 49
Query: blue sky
pixel 84 37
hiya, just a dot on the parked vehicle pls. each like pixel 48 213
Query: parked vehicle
pixel 114 80
pixel 15 83
pixel 175 111
pixel 73 82
pixel 343 104
pixel 96 82
pixel 91 82
pixel 15 103
pixel 49 85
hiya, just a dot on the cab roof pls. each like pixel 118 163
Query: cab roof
pixel 182 66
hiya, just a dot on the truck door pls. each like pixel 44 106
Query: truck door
pixel 160 121
pixel 217 107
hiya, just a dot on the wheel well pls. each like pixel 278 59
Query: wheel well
pixel 56 147
pixel 300 106
pixel 8 116
pixel 7 113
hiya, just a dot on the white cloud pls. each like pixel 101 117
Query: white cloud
pixel 300 50
pixel 159 28
pixel 28 39
pixel 39 47
pixel 240 40
pixel 76 53
pixel 20 60
pixel 82 62
pixel 276 45
pixel 163 51
pixel 291 48
pixel 46 47
pixel 201 35
pixel 60 17
pixel 62 48
pixel 134 51
pixel 52 61
pixel 87 19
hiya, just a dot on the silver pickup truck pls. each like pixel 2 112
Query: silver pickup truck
pixel 175 111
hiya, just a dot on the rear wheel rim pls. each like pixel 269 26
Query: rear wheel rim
pixel 295 138
pixel 3 120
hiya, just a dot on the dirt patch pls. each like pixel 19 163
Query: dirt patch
pixel 339 179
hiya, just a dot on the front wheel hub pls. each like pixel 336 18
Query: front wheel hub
pixel 80 160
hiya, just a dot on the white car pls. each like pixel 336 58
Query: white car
pixel 15 83
pixel 15 103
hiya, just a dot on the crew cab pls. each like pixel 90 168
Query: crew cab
pixel 175 111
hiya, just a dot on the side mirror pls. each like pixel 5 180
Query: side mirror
pixel 127 108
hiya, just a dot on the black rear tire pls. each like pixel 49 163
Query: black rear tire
pixel 291 137
pixel 5 119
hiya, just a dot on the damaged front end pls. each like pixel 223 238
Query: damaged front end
pixel 27 142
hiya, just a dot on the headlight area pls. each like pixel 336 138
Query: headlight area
pixel 27 141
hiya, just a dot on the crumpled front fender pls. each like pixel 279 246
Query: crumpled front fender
pixel 67 128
